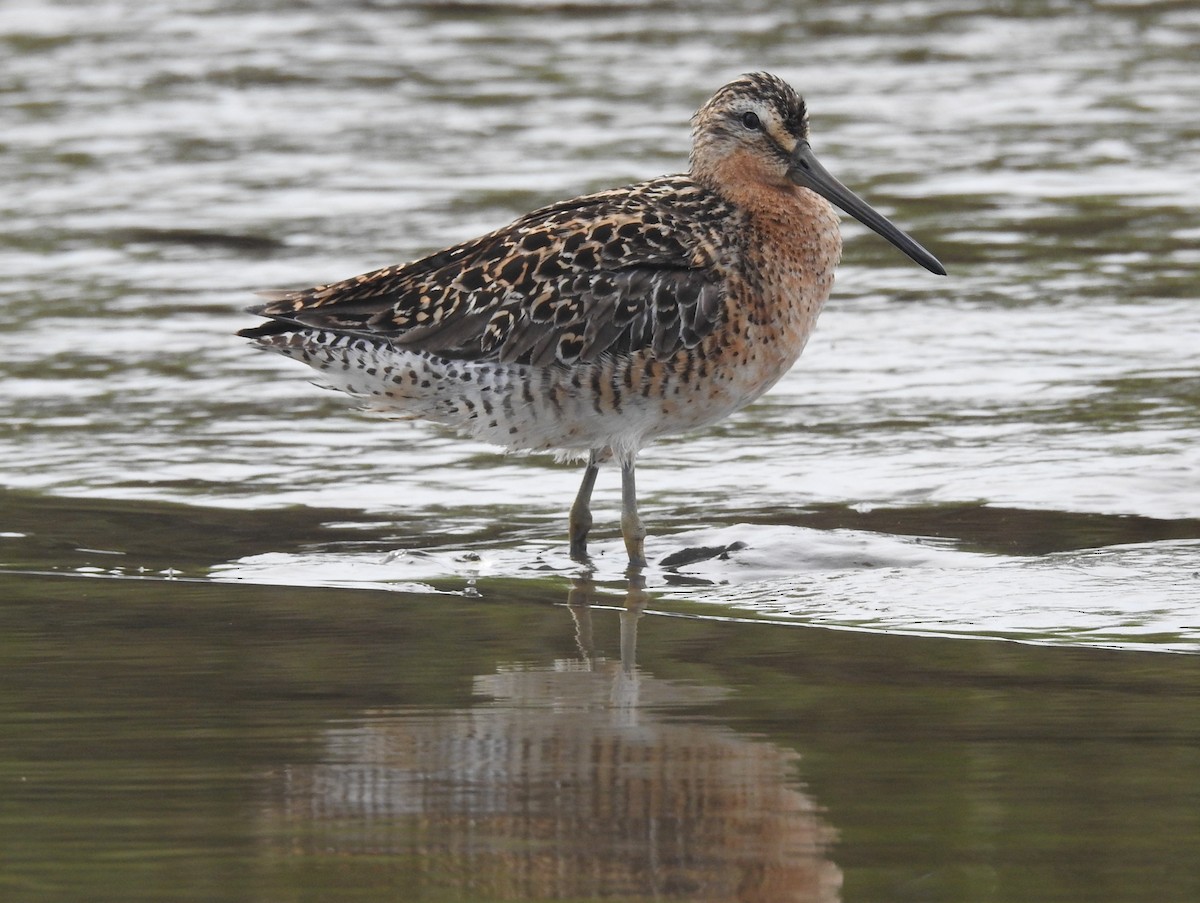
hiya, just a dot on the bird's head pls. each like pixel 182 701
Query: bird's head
pixel 754 133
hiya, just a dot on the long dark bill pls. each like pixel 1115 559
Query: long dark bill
pixel 807 171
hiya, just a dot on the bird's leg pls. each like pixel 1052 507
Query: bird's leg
pixel 632 529
pixel 581 512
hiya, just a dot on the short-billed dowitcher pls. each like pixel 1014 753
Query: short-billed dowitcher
pixel 595 325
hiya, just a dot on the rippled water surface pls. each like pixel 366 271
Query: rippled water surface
pixel 259 645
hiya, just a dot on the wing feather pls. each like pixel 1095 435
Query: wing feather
pixel 642 268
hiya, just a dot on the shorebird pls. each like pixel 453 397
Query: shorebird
pixel 595 325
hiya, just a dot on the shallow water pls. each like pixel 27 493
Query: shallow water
pixel 261 644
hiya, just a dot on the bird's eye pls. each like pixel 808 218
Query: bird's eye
pixel 751 121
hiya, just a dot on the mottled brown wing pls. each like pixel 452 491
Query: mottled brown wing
pixel 639 268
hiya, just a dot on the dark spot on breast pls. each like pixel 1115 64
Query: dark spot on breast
pixel 597 391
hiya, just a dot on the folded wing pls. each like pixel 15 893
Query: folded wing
pixel 625 271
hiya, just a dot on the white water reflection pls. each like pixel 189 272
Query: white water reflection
pixel 1129 596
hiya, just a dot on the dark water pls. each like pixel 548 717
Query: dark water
pixel 179 739
pixel 257 646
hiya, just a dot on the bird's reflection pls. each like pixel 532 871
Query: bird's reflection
pixel 574 780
